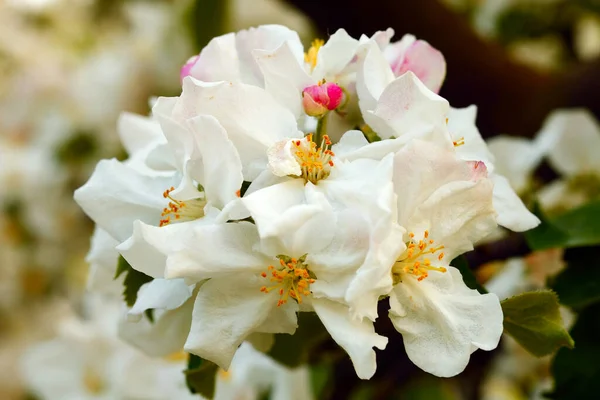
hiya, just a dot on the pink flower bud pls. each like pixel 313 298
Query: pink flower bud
pixel 186 70
pixel 319 99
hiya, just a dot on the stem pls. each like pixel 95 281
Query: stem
pixel 321 129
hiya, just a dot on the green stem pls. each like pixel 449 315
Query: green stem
pixel 321 130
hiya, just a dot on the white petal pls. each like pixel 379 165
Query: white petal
pixel 516 158
pixel 253 119
pixel 148 246
pixel 296 215
pixel 218 61
pixel 373 76
pixel 221 161
pixel 266 38
pixel 216 250
pixel 282 161
pixel 407 107
pixel 164 336
pixel 226 311
pixel 284 76
pixel 572 138
pixel 335 55
pixel 116 195
pixel 461 124
pixel 512 213
pixel 163 294
pixel 136 131
pixel 442 321
pixel 102 258
pixel 356 337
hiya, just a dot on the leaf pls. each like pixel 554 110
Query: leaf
pixel 200 376
pixel 574 228
pixel 132 283
pixel 578 285
pixel 546 235
pixel 581 224
pixel 576 372
pixel 293 350
pixel 534 320
pixel 462 265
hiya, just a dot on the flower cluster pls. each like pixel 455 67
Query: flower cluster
pixel 285 181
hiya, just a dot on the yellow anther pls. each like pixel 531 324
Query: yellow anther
pixel 459 142
pixel 315 163
pixel 310 57
pixel 414 262
pixel 181 210
pixel 291 280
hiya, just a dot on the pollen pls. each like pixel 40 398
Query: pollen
pixel 415 259
pixel 291 279
pixel 310 57
pixel 181 211
pixel 315 162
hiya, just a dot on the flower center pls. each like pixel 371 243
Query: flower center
pixel 181 211
pixel 291 279
pixel 415 260
pixel 310 56
pixel 314 162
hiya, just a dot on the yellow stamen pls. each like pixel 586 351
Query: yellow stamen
pixel 310 56
pixel 459 142
pixel 414 260
pixel 292 279
pixel 181 211
pixel 315 163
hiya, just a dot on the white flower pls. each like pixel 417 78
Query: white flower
pixel 229 57
pixel 252 373
pixel 445 205
pixel 252 285
pixel 87 361
pixel 403 108
pixel 571 139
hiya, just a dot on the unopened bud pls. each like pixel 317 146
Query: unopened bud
pixel 319 99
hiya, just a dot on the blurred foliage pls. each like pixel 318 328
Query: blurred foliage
pixel 574 228
pixel 578 285
pixel 200 376
pixel 577 371
pixel 205 19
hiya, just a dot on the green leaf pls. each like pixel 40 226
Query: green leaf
pixel 581 224
pixel 462 265
pixel 132 283
pixel 534 320
pixel 546 235
pixel 200 376
pixel 576 372
pixel 294 350
pixel 574 228
pixel 578 285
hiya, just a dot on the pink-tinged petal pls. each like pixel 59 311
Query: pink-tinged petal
pixel 186 70
pixel 426 62
pixel 478 170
